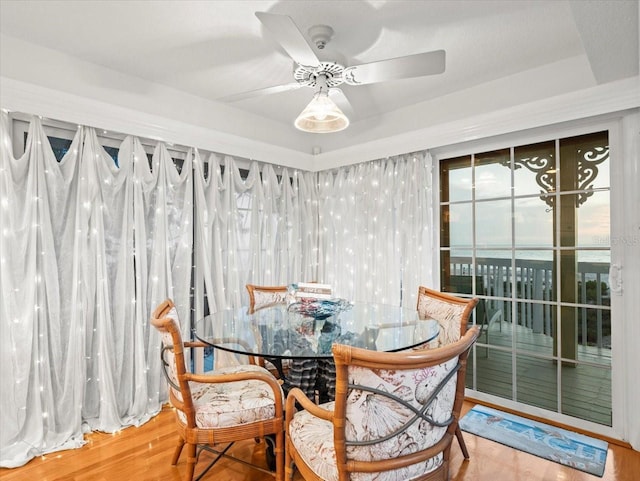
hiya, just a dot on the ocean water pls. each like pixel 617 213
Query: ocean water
pixel 586 255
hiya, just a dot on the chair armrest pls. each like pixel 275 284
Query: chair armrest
pixel 195 344
pixel 296 394
pixel 235 377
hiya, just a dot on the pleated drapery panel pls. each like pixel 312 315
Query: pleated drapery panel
pixel 414 225
pixel 88 248
pixel 208 232
pixel 43 324
pixel 114 392
pixel 261 229
pixel 167 211
pixel 374 241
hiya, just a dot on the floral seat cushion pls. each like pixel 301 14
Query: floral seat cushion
pixel 313 439
pixel 233 403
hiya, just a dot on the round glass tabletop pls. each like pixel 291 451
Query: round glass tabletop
pixel 308 332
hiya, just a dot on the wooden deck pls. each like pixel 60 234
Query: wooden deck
pixel 585 387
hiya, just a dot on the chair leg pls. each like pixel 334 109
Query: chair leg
pixel 191 461
pixel 176 453
pixel 461 442
pixel 288 463
pixel 280 456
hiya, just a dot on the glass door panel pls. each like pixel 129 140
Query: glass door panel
pixel 493 223
pixel 537 382
pixel 492 175
pixel 456 230
pixel 531 235
pixel 494 373
pixel 593 220
pixel 535 332
pixel 533 223
pixel 455 180
pixel 584 395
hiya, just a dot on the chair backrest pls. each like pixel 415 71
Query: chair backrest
pixel 165 319
pixel 397 412
pixel 451 312
pixel 263 296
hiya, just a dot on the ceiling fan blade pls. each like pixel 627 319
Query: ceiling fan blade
pixel 341 100
pixel 258 92
pixel 418 65
pixel 288 35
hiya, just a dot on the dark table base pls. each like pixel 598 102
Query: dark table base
pixel 315 377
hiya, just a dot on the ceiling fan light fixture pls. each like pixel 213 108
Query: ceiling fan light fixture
pixel 321 116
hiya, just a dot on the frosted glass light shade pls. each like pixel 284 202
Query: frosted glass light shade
pixel 321 116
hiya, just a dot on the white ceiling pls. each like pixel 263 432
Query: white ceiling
pixel 498 54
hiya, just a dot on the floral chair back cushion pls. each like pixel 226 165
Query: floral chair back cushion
pixel 268 298
pixel 448 315
pixel 371 416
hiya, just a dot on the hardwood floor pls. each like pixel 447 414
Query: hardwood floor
pixel 144 453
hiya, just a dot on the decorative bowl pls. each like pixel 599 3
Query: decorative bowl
pixel 319 308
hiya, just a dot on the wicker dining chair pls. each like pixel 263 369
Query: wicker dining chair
pixel 266 296
pixel 394 417
pixel 223 406
pixel 263 296
pixel 453 313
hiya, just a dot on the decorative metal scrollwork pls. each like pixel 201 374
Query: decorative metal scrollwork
pixel 587 164
pixel 544 168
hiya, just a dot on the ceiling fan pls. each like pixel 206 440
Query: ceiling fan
pixel 323 113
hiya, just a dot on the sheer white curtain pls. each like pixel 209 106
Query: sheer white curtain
pixel 260 228
pixel 41 330
pixel 375 234
pixel 87 249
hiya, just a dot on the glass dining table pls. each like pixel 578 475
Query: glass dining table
pixel 303 333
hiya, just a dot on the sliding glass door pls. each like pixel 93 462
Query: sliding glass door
pixel 526 229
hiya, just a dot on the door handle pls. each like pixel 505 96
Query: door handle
pixel 615 278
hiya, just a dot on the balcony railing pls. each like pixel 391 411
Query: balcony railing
pixel 531 283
